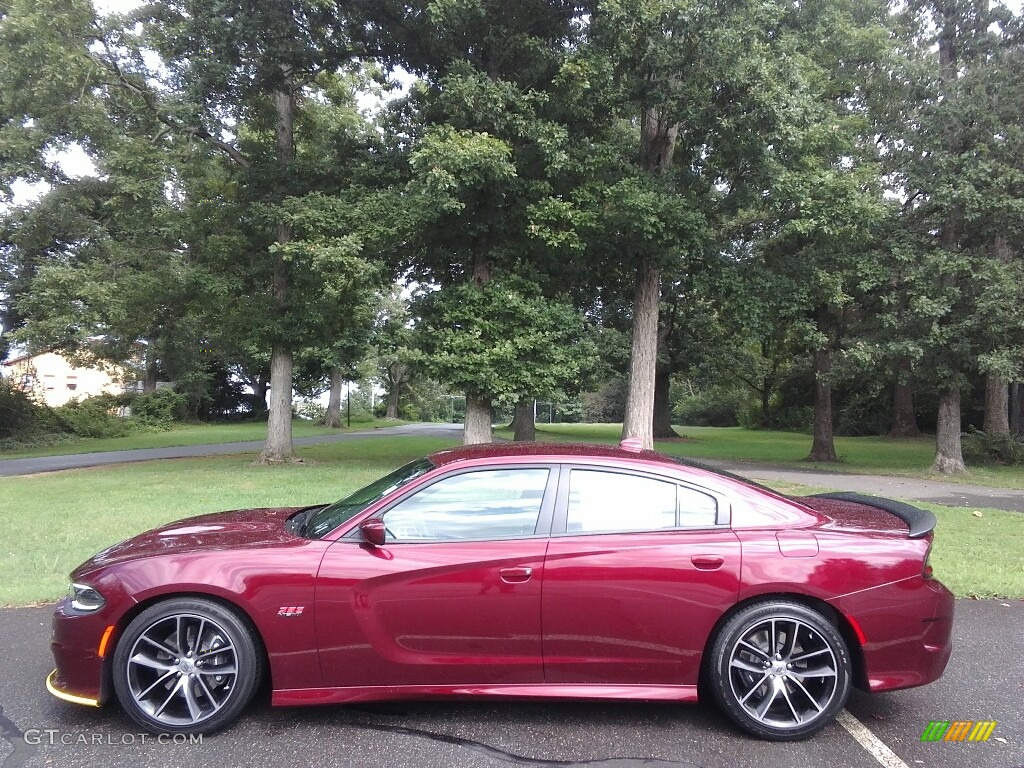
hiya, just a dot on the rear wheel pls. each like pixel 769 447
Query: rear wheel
pixel 780 670
pixel 186 665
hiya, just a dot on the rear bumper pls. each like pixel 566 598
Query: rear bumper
pixel 907 628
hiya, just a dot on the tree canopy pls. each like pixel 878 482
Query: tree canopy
pixel 817 203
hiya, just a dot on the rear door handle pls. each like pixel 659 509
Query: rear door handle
pixel 707 562
pixel 515 575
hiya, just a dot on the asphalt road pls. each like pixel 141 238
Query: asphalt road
pixel 11 467
pixel 984 682
pixel 910 489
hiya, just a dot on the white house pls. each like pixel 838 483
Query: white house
pixel 54 380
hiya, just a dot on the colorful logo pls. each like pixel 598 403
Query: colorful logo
pixel 958 730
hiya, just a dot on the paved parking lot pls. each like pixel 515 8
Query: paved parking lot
pixel 985 681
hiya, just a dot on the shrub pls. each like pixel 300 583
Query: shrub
pixel 982 448
pixel 18 414
pixel 159 409
pixel 713 407
pixel 311 411
pixel 94 417
pixel 607 405
pixel 360 409
pixel 864 411
pixel 426 400
pixel 792 418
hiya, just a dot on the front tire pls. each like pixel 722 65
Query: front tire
pixel 186 665
pixel 780 670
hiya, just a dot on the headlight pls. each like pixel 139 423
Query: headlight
pixel 84 598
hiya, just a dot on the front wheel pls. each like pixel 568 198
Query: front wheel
pixel 780 670
pixel 186 665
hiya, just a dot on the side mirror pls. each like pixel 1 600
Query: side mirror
pixel 373 531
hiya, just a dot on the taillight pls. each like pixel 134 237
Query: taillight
pixel 926 571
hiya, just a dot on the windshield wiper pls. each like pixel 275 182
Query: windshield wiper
pixel 301 521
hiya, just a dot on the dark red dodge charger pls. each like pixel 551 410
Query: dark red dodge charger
pixel 531 570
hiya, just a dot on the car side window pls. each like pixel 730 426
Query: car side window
pixel 613 501
pixel 487 504
pixel 695 508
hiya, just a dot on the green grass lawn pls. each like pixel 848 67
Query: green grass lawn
pixel 872 455
pixel 188 434
pixel 51 522
pixel 979 556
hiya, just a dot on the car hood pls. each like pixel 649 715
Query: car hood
pixel 239 529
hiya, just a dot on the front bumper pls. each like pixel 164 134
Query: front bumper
pixel 53 686
pixel 75 643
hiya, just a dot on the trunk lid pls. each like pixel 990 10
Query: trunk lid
pixel 860 512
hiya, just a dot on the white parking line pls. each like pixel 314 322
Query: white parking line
pixel 875 746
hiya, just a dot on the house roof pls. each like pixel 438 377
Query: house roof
pixel 22 358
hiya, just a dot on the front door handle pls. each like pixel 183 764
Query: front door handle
pixel 515 575
pixel 707 562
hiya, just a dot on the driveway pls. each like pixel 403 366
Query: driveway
pixel 911 489
pixel 983 682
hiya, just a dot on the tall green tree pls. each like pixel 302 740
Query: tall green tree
pixel 487 340
pixel 955 144
pixel 686 96
pixel 245 65
pixel 247 85
pixel 826 203
pixel 393 348
pixel 487 139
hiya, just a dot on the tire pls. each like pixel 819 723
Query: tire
pixel 198 692
pixel 764 685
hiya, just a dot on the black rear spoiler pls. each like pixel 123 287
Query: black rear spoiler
pixel 921 521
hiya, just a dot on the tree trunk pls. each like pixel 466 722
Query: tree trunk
pixel 949 457
pixel 332 418
pixel 524 425
pixel 394 396
pixel 1017 408
pixel 279 446
pixel 663 405
pixel 658 133
pixel 904 419
pixel 149 382
pixel 260 392
pixel 823 448
pixel 279 426
pixel 770 379
pixel 766 402
pixel 396 376
pixel 997 407
pixel 997 395
pixel 477 427
pixel 643 357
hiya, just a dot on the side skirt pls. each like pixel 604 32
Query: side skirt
pixel 305 696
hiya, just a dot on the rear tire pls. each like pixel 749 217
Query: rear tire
pixel 780 670
pixel 186 665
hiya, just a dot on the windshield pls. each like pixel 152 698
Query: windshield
pixel 327 519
